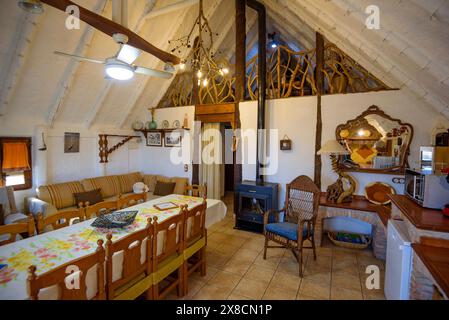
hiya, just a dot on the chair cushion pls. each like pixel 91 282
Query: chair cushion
pixel 93 197
pixel 15 218
pixel 164 188
pixel 286 229
pixel 109 185
pixel 61 194
pixel 127 181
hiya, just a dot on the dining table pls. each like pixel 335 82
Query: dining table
pixel 55 248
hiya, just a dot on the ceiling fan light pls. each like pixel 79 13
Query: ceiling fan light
pixel 31 6
pixel 119 71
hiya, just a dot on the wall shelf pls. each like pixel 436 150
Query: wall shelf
pixel 145 131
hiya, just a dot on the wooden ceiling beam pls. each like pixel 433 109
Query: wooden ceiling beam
pixel 130 106
pixel 110 28
pixel 22 44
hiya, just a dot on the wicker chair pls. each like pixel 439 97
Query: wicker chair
pixel 300 212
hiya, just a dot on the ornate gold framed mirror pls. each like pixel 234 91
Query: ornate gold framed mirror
pixel 377 143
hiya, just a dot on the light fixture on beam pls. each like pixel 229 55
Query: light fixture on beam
pixel 272 40
pixel 31 6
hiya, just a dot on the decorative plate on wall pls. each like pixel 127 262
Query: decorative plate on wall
pixel 176 124
pixel 137 125
pixel 377 193
pixel 165 124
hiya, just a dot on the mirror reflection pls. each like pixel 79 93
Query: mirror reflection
pixel 376 142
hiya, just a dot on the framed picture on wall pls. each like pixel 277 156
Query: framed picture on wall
pixel 71 142
pixel 173 139
pixel 154 139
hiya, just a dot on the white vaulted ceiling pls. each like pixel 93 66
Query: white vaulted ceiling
pixel 410 51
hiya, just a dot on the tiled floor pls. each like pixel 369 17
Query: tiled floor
pixel 236 270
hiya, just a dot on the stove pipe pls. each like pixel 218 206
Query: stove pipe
pixel 261 80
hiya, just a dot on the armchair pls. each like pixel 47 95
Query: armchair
pixel 298 221
pixel 8 212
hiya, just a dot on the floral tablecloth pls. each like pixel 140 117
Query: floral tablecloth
pixel 55 248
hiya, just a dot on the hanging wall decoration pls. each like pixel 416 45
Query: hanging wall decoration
pixel 286 143
pixel 173 138
pixel 154 139
pixel 71 142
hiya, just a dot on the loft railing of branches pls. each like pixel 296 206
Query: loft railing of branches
pixel 342 74
pixel 289 74
pixel 219 90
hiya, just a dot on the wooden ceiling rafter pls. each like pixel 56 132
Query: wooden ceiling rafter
pixel 183 4
pixel 19 57
pixel 305 12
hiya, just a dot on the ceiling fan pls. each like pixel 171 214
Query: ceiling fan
pixel 120 66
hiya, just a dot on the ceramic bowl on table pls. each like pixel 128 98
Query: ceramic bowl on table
pixel 378 193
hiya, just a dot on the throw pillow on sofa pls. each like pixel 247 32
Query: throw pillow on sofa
pixel 92 197
pixel 164 188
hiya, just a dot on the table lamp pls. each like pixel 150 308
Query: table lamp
pixel 336 192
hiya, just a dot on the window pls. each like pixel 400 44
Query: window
pixel 15 165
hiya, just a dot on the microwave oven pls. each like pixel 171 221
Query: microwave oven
pixel 428 189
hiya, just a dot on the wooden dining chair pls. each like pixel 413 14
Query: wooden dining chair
pixel 168 259
pixel 196 190
pixel 100 208
pixel 302 200
pixel 71 286
pixel 131 200
pixel 15 229
pixel 59 220
pixel 195 236
pixel 134 276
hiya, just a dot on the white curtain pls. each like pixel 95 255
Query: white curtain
pixel 211 172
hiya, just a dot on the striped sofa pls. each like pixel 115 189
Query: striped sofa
pixel 59 197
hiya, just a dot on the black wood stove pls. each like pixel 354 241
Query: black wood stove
pixel 253 200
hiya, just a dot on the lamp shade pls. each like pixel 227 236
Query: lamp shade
pixel 333 147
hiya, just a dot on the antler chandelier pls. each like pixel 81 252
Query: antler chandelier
pixel 201 57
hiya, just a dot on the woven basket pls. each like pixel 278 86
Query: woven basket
pixel 333 237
